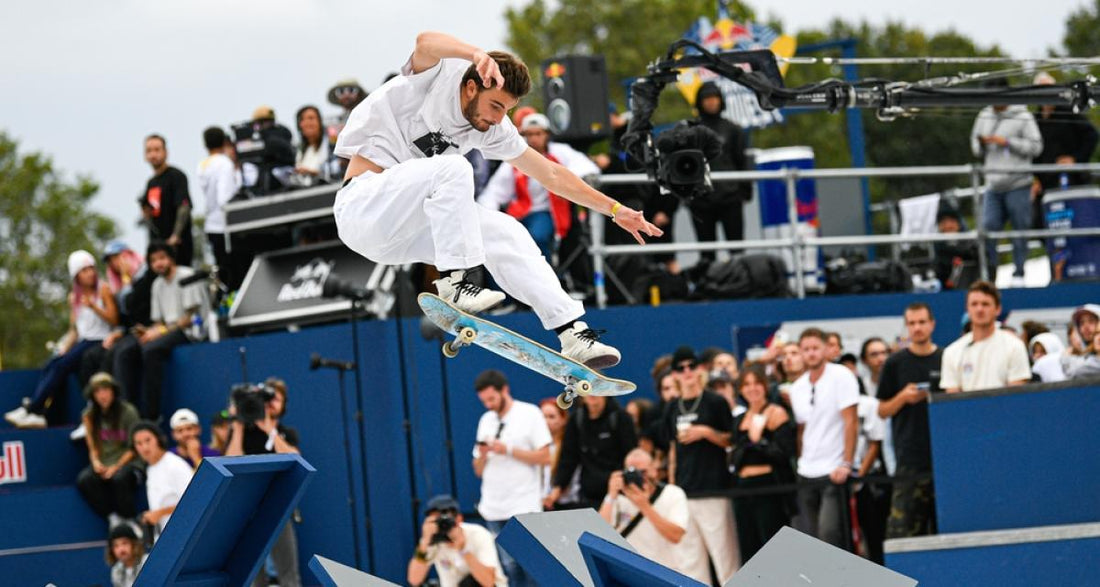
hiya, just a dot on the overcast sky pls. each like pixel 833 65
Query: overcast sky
pixel 85 81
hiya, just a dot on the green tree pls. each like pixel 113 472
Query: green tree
pixel 43 218
pixel 1082 38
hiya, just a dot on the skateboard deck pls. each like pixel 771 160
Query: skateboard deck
pixel 577 378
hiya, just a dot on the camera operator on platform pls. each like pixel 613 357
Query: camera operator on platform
pixel 463 555
pixel 256 430
pixel 652 516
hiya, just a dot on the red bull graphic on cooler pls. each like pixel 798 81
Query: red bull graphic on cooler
pixel 13 465
pixel 728 35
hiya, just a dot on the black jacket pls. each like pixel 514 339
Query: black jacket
pixel 1065 133
pixel 597 446
pixel 731 159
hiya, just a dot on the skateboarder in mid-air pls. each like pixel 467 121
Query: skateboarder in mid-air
pixel 408 194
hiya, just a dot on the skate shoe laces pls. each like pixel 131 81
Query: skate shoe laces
pixel 467 287
pixel 590 336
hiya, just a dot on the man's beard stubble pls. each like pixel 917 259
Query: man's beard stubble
pixel 470 114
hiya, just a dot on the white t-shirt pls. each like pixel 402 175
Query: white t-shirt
pixel 818 407
pixel 672 505
pixel 451 566
pixel 988 364
pixel 871 428
pixel 501 189
pixel 218 182
pixel 510 486
pixel 165 483
pixel 419 115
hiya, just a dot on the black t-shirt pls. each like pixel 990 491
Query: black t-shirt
pixel 701 466
pixel 164 194
pixel 255 440
pixel 912 442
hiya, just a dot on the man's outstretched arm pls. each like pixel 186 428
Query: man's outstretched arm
pixel 565 183
pixel 431 47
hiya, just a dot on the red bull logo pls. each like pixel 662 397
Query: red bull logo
pixel 13 465
pixel 553 70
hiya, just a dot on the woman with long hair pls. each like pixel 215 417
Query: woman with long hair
pixel 763 448
pixel 92 314
pixel 314 153
pixel 556 419
pixel 109 483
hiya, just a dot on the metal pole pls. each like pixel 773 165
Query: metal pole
pixel 597 221
pixel 796 238
pixel 979 220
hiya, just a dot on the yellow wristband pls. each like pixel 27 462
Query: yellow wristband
pixel 615 209
pixel 163 329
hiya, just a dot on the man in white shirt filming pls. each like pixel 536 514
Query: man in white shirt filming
pixel 513 444
pixel 652 516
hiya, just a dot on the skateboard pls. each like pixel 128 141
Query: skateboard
pixel 578 379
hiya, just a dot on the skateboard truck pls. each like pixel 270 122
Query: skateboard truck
pixel 574 388
pixel 466 336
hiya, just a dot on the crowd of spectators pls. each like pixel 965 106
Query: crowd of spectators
pixel 834 444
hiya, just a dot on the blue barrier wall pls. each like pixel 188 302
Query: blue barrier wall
pixel 405 383
pixel 1061 562
pixel 1017 459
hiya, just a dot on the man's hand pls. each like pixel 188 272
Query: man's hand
pixel 111 339
pixel 149 335
pixel 661 219
pixel 635 223
pixel 482 450
pixel 457 537
pixel 98 467
pixel 498 447
pixel 1065 160
pixel 488 69
pixel 109 472
pixel 840 474
pixel 173 241
pixel 150 517
pixel 615 484
pixel 694 433
pixel 995 140
pixel 427 530
pixel 636 496
pixel 552 498
pixel 912 395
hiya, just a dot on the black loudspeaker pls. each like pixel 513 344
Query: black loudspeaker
pixel 575 92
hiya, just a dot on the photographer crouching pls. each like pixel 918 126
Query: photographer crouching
pixel 652 516
pixel 256 430
pixel 463 555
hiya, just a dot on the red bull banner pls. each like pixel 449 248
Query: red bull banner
pixel 13 464
pixel 725 34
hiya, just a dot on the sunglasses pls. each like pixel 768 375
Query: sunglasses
pixel 684 367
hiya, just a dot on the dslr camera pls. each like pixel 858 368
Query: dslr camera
pixel 635 477
pixel 250 400
pixel 444 524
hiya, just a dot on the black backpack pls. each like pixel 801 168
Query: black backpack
pixel 746 276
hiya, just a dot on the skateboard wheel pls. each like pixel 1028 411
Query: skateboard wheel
pixel 584 387
pixel 467 335
pixel 449 350
pixel 564 402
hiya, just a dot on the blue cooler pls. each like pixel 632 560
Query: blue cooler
pixel 1076 258
pixel 774 218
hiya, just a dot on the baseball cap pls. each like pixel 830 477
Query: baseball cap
pixel 183 417
pixel 535 120
pixel 684 353
pixel 113 248
pixel 441 503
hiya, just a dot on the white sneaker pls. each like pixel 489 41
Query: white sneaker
pixel 15 415
pixel 79 433
pixel 29 420
pixel 466 295
pixel 582 344
pixel 1018 281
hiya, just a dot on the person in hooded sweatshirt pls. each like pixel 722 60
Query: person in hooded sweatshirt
pixel 1005 137
pixel 723 205
pixel 1046 355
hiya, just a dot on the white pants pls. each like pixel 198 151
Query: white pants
pixel 423 211
pixel 710 530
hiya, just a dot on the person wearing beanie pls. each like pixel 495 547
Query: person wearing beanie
pixel 92 314
pixel 125 555
pixel 723 205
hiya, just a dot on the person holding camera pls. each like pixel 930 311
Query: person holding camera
pixel 463 555
pixel 513 444
pixel 256 430
pixel 652 516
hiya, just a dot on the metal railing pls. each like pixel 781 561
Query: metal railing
pixel 796 243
